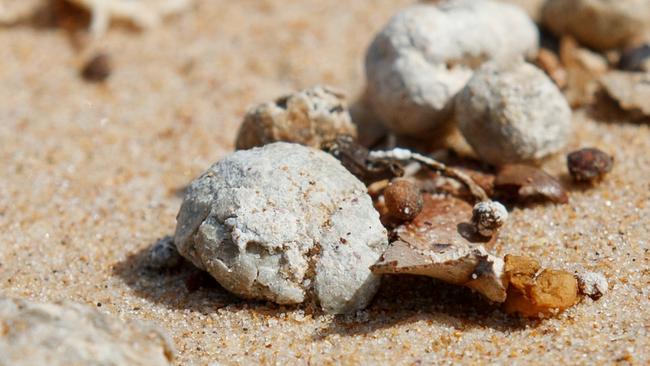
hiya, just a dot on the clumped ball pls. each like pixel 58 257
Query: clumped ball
pixel 426 53
pixel 284 223
pixel 308 117
pixel 512 112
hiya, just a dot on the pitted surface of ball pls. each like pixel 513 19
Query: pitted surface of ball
pixel 284 223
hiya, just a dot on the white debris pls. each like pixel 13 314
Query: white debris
pixel 143 13
pixel 285 223
pixel 512 112
pixel 592 284
pixel 427 52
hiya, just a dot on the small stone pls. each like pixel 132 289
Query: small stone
pixel 488 217
pixel 403 199
pixel 426 53
pixel 97 69
pixel 164 255
pixel 592 284
pixel 512 113
pixel 636 59
pixel 284 223
pixel 589 164
pixel 309 117
pixel 601 24
pixel 537 295
pixel 72 334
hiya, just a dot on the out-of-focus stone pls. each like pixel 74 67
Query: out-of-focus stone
pixel 427 52
pixel 309 117
pixel 601 24
pixel 73 334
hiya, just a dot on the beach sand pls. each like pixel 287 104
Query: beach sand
pixel 93 174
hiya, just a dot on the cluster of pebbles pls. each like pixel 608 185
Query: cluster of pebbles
pixel 283 220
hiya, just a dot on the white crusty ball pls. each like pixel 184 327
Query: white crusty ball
pixel 512 112
pixel 284 223
pixel 601 24
pixel 427 52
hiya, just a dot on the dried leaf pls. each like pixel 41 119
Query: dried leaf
pixel 354 158
pixel 583 68
pixel 441 243
pixel 630 90
pixel 521 182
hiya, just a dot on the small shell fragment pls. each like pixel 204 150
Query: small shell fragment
pixel 592 284
pixel 522 183
pixel 488 217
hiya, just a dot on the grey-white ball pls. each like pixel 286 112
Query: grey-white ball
pixel 285 223
pixel 512 112
pixel 426 53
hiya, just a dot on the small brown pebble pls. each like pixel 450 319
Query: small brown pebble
pixel 403 199
pixel 97 69
pixel 635 59
pixel 534 296
pixel 589 164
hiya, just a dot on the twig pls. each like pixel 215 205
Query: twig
pixel 406 155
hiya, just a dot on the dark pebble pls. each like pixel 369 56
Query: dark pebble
pixel 97 69
pixel 589 164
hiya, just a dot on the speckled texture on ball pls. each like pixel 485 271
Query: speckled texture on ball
pixel 512 112
pixel 601 24
pixel 284 223
pixel 427 52
pixel 308 117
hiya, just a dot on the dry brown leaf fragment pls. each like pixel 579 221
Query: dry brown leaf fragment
pixel 548 61
pixel 520 182
pixel 354 157
pixel 441 243
pixel 631 90
pixel 537 295
pixel 583 68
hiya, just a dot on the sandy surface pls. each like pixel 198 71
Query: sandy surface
pixel 90 177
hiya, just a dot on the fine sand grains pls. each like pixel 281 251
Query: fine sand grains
pixel 92 175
